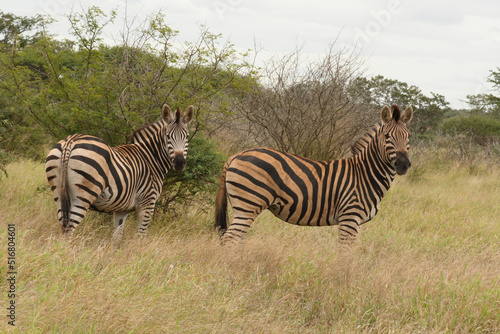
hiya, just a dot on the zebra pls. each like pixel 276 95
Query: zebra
pixel 85 173
pixel 301 191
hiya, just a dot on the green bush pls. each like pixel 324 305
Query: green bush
pixel 484 129
pixel 199 180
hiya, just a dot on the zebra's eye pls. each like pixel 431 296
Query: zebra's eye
pixel 387 136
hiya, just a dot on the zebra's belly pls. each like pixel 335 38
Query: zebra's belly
pixel 293 215
pixel 107 202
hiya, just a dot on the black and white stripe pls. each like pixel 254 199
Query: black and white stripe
pixel 301 191
pixel 85 173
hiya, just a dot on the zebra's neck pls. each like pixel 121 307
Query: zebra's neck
pixel 150 140
pixel 374 166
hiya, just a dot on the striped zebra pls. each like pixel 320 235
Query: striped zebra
pixel 301 191
pixel 85 173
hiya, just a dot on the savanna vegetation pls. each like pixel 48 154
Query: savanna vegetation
pixel 427 263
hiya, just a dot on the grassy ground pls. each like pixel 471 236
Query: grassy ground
pixel 428 263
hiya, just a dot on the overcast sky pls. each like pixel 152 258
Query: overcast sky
pixel 442 46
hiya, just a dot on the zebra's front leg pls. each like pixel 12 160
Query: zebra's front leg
pixel 118 226
pixel 348 230
pixel 144 215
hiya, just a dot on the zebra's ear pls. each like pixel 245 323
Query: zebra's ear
pixel 407 115
pixel 166 113
pixel 188 115
pixel 396 113
pixel 386 114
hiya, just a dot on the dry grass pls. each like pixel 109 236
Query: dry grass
pixel 428 263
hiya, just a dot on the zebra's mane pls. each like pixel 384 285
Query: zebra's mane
pixel 152 127
pixel 362 143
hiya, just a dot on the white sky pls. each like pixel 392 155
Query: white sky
pixel 442 46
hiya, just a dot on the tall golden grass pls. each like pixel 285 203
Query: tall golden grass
pixel 429 262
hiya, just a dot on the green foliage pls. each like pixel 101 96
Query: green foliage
pixel 483 128
pixel 199 180
pixel 19 132
pixel 428 110
pixel 13 29
pixel 88 27
pixel 488 103
pixel 85 86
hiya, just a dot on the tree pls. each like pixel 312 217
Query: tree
pixel 18 131
pixel 429 111
pixel 481 124
pixel 85 86
pixel 13 29
pixel 487 104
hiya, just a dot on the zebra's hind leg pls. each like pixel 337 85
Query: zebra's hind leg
pixel 237 231
pixel 66 230
pixel 118 225
pixel 73 217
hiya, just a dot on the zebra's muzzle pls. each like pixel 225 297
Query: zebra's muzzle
pixel 179 162
pixel 402 163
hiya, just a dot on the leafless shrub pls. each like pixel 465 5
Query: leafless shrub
pixel 309 109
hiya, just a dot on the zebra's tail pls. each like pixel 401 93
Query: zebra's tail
pixel 64 192
pixel 221 204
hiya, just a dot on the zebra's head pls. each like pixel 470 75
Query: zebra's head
pixel 396 137
pixel 177 135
